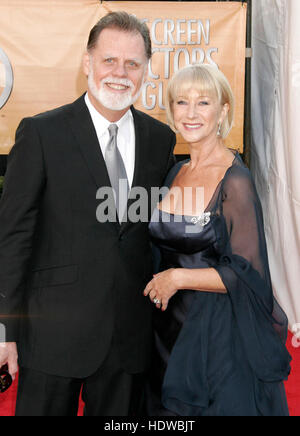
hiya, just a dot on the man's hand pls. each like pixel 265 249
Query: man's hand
pixel 9 356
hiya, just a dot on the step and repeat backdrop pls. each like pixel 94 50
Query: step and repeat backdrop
pixel 42 44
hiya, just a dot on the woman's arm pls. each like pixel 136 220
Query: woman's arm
pixel 206 279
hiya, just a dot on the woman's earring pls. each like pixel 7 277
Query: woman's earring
pixel 219 129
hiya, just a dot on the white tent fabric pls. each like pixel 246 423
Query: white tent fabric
pixel 276 141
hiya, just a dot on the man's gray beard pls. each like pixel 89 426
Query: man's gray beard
pixel 108 99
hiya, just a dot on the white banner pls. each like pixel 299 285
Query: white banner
pixel 276 131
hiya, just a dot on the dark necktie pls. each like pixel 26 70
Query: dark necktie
pixel 117 172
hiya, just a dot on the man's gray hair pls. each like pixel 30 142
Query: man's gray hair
pixel 123 21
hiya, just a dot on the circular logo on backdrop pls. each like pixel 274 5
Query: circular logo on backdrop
pixel 6 78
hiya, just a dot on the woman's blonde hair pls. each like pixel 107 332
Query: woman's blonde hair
pixel 208 81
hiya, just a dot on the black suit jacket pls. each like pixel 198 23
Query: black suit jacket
pixel 75 283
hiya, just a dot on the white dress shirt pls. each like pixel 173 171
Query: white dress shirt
pixel 126 136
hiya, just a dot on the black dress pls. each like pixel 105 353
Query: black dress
pixel 219 354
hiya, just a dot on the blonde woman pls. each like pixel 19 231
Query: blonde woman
pixel 219 334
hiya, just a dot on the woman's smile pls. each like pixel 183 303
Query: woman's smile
pixel 194 126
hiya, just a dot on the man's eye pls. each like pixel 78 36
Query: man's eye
pixel 109 60
pixel 133 64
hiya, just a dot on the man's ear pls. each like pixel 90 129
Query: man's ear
pixel 86 63
pixel 146 74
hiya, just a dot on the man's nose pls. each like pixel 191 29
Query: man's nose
pixel 120 70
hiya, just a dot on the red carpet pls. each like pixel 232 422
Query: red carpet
pixel 7 400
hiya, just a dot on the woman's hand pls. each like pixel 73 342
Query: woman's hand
pixel 162 288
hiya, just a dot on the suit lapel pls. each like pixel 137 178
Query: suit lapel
pixel 141 158
pixel 84 131
pixel 141 148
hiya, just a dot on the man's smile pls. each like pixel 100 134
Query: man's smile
pixel 117 87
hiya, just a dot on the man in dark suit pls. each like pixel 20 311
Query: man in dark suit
pixel 71 285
